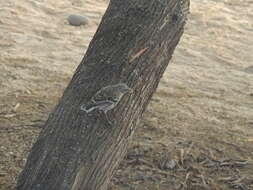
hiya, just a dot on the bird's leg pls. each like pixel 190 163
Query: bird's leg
pixel 107 118
pixel 103 108
pixel 104 115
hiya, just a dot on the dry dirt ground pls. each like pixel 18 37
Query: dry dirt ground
pixel 197 132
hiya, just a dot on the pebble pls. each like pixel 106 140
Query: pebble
pixel 77 20
pixel 249 69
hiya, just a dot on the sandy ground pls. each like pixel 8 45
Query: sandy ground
pixel 197 132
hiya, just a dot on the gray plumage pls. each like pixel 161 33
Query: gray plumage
pixel 106 98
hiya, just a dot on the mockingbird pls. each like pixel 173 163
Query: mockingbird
pixel 106 99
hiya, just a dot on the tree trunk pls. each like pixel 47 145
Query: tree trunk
pixel 133 45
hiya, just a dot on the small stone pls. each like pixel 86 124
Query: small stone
pixel 77 20
pixel 171 164
pixel 249 69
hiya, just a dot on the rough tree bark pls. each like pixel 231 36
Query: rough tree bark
pixel 133 44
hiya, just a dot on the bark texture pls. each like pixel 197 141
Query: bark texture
pixel 133 45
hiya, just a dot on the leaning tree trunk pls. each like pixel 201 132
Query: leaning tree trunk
pixel 133 45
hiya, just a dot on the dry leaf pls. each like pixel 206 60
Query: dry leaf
pixel 16 107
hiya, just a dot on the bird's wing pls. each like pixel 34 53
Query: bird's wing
pixel 96 105
pixel 100 96
pixel 113 99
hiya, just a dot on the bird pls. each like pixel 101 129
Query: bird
pixel 106 99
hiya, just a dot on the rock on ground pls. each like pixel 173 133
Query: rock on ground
pixel 78 20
